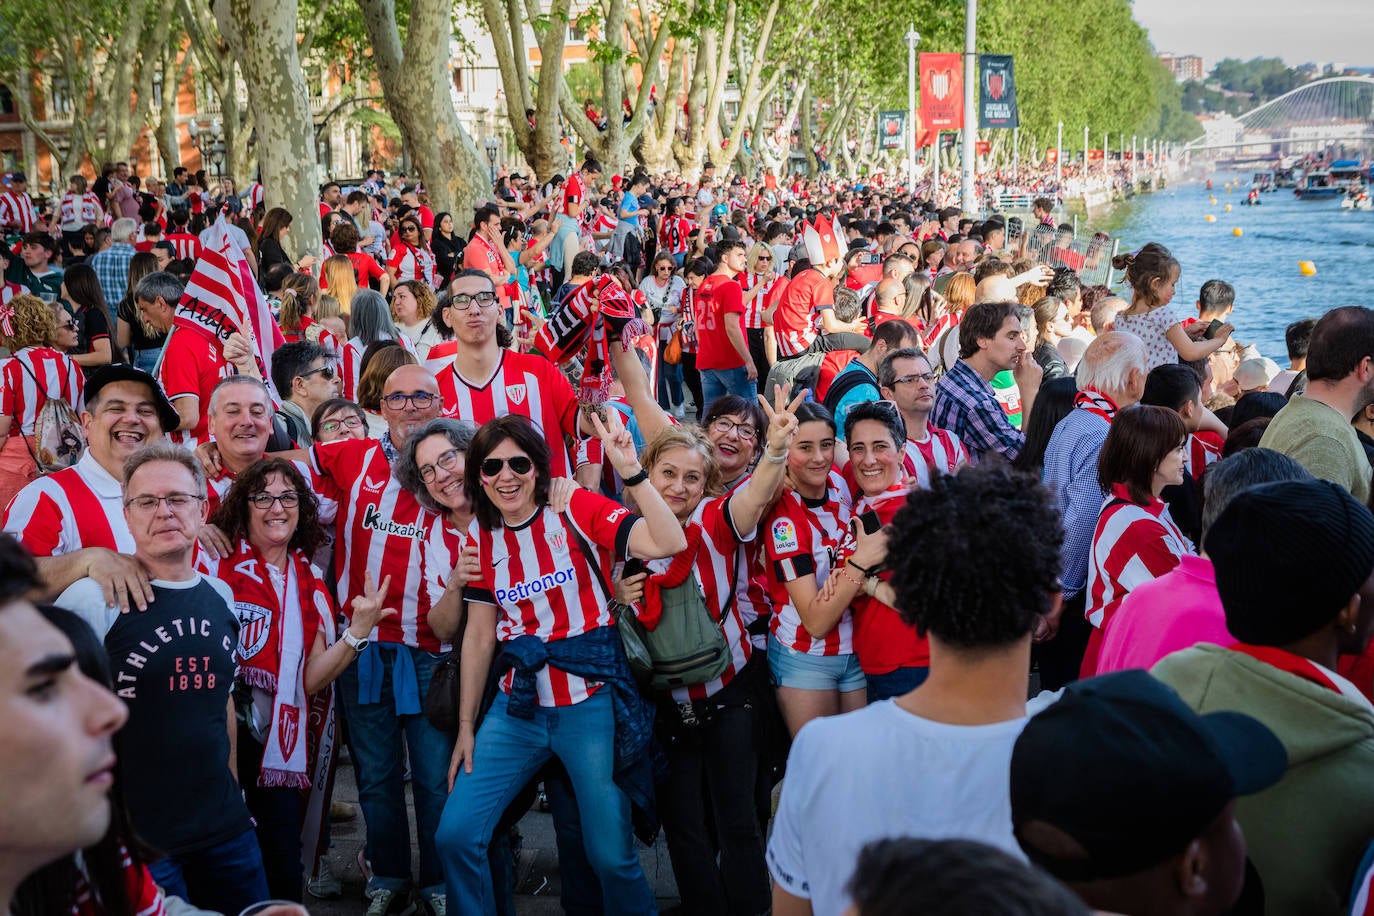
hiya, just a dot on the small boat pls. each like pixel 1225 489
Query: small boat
pixel 1322 183
pixel 1357 199
pixel 1262 181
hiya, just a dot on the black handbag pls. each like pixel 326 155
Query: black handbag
pixel 441 702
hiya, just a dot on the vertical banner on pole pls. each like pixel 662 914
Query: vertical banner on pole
pixel 891 130
pixel 942 92
pixel 997 78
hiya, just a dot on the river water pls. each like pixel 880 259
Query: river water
pixel 1262 264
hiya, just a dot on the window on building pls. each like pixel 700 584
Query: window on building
pixel 7 106
pixel 576 34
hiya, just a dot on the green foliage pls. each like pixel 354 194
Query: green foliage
pixel 1264 78
pixel 584 81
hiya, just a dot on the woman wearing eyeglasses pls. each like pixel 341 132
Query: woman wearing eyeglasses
pixel 338 418
pixel 288 654
pixel 411 258
pixel 565 689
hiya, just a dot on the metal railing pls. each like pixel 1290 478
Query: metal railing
pixel 1087 253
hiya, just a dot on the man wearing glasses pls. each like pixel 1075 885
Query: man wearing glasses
pixel 303 373
pixel 908 381
pixel 173 666
pixel 73 520
pixel 486 381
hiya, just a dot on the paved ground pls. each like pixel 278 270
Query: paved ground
pixel 537 885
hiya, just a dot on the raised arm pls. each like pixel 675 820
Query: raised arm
pixel 658 533
pixel 761 490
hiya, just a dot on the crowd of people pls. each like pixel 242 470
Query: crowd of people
pixel 653 499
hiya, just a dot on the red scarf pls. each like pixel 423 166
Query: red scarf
pixel 591 318
pixel 1286 661
pixel 1095 402
pixel 678 571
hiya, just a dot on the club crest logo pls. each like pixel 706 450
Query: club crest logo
pixel 288 729
pixel 515 394
pixel 940 83
pixel 255 625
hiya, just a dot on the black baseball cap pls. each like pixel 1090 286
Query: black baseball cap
pixel 119 372
pixel 1128 770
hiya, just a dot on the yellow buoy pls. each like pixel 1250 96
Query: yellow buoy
pixel 1237 232
pixel 1210 218
pixel 1228 208
pixel 1307 268
pixel 1212 201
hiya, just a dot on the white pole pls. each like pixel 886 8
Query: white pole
pixel 968 203
pixel 1105 138
pixel 1085 151
pixel 935 175
pixel 1132 159
pixel 912 37
pixel 1015 154
pixel 1059 158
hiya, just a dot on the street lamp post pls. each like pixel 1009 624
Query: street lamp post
pixel 967 202
pixel 492 148
pixel 1059 159
pixel 209 142
pixel 912 39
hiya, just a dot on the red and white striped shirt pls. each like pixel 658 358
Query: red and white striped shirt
pixel 77 210
pixel 312 330
pixel 672 234
pixel 255 196
pixel 68 510
pixel 538 577
pixel 940 452
pixel 754 308
pixel 187 245
pixel 440 356
pixel 803 537
pixel 381 530
pixel 715 573
pixel 412 263
pixel 522 383
pixel 216 489
pixel 351 363
pixel 1204 450
pixel 443 545
pixel 16 209
pixel 30 377
pixel 796 320
pixel 1132 545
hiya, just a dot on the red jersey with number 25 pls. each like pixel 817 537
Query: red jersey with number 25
pixel 538 577
pixel 380 529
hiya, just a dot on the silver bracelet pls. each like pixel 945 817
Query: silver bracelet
pixel 779 459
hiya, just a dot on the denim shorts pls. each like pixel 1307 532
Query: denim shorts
pixel 800 671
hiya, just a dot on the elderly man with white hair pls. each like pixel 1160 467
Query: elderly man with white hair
pixel 1111 376
pixel 112 265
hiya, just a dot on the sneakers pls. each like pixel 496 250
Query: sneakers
pixel 390 903
pixel 437 904
pixel 325 885
pixel 680 411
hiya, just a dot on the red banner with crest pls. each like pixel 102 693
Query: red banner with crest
pixel 942 91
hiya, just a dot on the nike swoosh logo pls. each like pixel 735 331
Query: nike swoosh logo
pixel 496 563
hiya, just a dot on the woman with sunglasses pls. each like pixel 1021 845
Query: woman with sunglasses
pixel 663 290
pixel 410 258
pixel 763 287
pixel 565 689
pixel 288 653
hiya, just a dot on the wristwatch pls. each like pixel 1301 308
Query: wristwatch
pixel 356 644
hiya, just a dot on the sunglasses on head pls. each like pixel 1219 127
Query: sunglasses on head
pixel 520 465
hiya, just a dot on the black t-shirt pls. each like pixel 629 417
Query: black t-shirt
pixel 93 325
pixel 173 665
pixel 139 338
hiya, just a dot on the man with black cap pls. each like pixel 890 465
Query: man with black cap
pixel 1128 796
pixel 73 520
pixel 1295 604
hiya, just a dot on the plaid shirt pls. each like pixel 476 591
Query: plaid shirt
pixel 112 269
pixel 966 406
pixel 1071 475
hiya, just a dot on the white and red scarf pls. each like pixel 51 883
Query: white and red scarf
pixel 279 617
pixel 1097 403
pixel 590 318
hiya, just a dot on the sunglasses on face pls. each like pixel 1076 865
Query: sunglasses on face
pixel 519 465
pixel 324 372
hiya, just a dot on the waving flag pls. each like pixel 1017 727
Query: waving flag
pixel 222 298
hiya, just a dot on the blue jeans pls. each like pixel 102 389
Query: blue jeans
pixel 715 382
pixel 147 359
pixel 895 682
pixel 376 732
pixel 225 878
pixel 508 752
pixel 669 381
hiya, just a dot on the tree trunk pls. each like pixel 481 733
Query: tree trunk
pixel 262 35
pixel 505 22
pixel 416 84
pixel 807 139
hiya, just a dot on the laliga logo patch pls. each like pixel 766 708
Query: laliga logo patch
pixel 784 535
pixel 515 394
pixel 255 623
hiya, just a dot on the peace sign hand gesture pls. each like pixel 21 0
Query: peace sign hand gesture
pixel 617 443
pixel 782 418
pixel 369 608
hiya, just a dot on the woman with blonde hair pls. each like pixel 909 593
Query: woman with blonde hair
pixel 33 373
pixel 338 277
pixel 958 297
pixel 411 305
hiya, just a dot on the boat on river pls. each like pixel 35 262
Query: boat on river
pixel 1321 182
